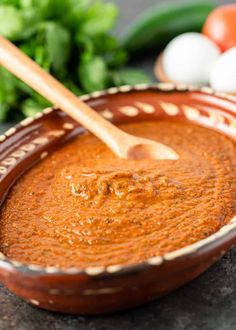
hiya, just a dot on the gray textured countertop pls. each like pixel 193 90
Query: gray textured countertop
pixel 207 303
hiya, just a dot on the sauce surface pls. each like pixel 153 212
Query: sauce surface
pixel 83 207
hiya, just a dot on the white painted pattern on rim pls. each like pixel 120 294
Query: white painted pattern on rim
pixel 190 112
pixel 11 131
pixel 43 155
pixel 181 87
pixel 2 138
pixel 94 270
pixel 2 257
pixel 112 90
pixel 9 161
pixel 68 126
pixel 113 268
pixel 85 97
pixel 215 116
pixel 40 140
pixel 34 302
pixel 233 124
pixel 57 133
pixel 107 114
pixel 4 264
pixel 35 268
pixel 125 88
pixel 170 109
pixel 27 121
pixel 145 107
pixel 155 260
pixel 28 147
pixel 71 271
pixel 18 154
pixel 97 94
pixel 166 86
pixel 3 170
pixel 129 111
pixel 38 115
pixel 51 270
pixel 207 90
pixel 227 96
pixel 141 87
pixel 47 111
pixel 17 263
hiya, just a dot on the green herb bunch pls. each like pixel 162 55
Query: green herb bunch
pixel 71 39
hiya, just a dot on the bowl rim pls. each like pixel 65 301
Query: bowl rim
pixel 190 251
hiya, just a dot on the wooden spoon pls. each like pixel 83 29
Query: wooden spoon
pixel 122 144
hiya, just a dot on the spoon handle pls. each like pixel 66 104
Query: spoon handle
pixel 42 82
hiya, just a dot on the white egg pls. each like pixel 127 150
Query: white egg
pixel 223 75
pixel 189 58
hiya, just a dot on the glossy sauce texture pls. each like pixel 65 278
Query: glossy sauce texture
pixel 82 207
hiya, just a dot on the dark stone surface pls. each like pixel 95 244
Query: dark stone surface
pixel 207 303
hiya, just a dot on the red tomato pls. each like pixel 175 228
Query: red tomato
pixel 220 26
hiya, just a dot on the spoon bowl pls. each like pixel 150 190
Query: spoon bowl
pixel 146 149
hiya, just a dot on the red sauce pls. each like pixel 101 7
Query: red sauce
pixel 83 207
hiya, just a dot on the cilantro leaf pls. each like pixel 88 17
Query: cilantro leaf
pixel 99 18
pixel 58 48
pixel 11 22
pixel 71 39
pixel 93 74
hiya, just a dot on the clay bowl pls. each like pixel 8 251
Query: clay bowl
pixel 102 290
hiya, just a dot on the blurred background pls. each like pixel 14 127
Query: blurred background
pixel 94 45
pixel 130 9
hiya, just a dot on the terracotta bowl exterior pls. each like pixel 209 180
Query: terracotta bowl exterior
pixel 102 290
